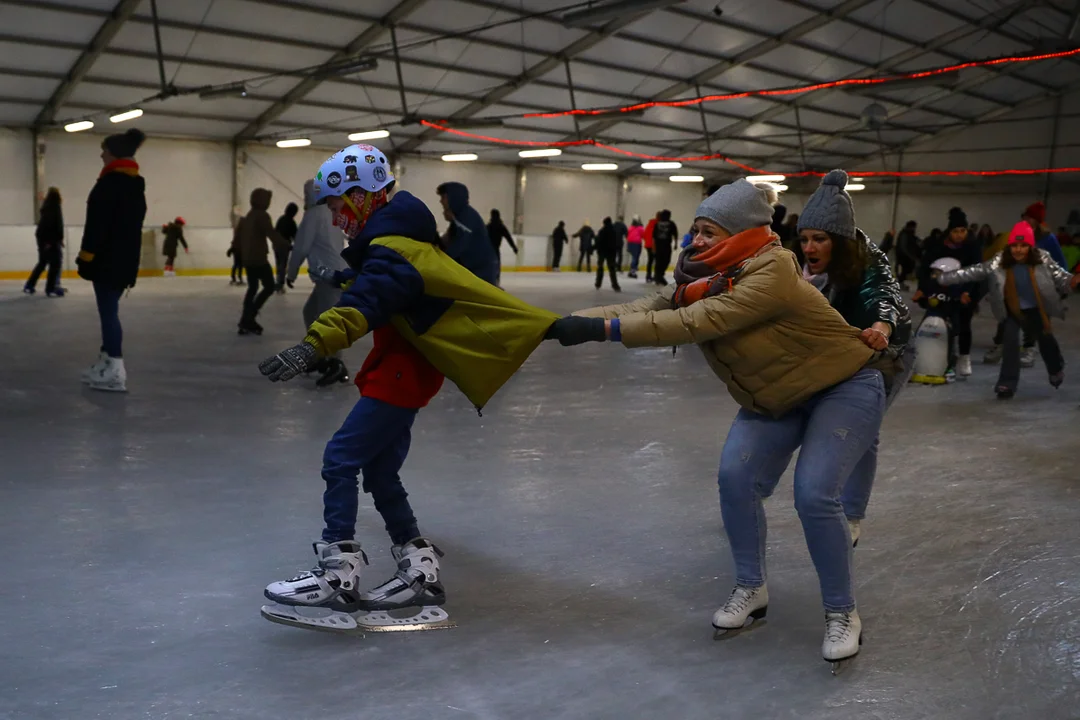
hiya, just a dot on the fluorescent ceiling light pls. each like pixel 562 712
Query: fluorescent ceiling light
pixel 852 187
pixel 686 178
pixel 780 188
pixel 545 152
pixel 858 180
pixel 600 166
pixel 295 142
pixel 766 178
pixel 369 135
pixel 612 10
pixel 78 126
pixel 460 157
pixel 129 115
pixel 661 165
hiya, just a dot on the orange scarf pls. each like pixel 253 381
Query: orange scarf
pixel 121 165
pixel 713 271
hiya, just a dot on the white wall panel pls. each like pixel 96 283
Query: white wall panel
pixel 646 196
pixel 281 171
pixel 17 179
pixel 554 195
pixel 490 186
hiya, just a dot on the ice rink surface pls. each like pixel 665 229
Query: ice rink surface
pixel 579 516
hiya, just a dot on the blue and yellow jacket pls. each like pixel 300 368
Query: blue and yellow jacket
pixel 469 330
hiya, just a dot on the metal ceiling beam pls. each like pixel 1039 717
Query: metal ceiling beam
pixel 119 15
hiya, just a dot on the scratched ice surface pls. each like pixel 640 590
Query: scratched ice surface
pixel 584 551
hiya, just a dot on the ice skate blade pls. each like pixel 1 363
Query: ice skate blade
pixel 837 667
pixel 756 619
pixel 358 623
pixel 431 617
pixel 311 618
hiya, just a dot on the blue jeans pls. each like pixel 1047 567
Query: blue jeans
pixel 836 428
pixel 375 439
pixel 635 255
pixel 108 305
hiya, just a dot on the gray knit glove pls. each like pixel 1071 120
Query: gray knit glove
pixel 287 364
pixel 324 275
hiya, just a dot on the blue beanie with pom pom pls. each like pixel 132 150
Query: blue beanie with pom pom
pixel 829 208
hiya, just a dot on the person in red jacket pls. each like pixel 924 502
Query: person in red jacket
pixel 649 247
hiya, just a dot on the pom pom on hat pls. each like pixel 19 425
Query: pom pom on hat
pixel 830 208
pixel 125 144
pixel 837 178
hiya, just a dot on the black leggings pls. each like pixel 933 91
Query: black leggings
pixel 252 302
pixel 1030 322
pixel 47 257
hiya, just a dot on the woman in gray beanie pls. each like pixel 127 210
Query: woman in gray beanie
pixel 797 369
pixel 856 278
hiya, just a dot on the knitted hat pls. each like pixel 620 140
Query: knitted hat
pixel 739 206
pixel 1022 233
pixel 1036 210
pixel 829 208
pixel 957 219
pixel 125 144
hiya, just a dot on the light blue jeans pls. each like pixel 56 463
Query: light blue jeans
pixel 837 429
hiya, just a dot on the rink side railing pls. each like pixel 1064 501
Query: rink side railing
pixel 18 252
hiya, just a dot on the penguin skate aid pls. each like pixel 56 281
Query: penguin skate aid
pixel 431 318
pixel 816 385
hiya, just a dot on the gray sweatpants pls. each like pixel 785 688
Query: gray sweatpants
pixel 322 298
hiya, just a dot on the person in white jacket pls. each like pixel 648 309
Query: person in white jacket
pixel 320 244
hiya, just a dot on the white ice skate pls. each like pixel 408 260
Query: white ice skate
pixel 408 601
pixel 88 373
pixel 1027 357
pixel 843 636
pixel 855 529
pixel 744 603
pixel 963 366
pixel 110 377
pixel 993 355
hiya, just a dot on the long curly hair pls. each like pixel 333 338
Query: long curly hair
pixel 849 261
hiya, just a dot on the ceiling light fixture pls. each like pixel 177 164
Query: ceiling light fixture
pixel 79 126
pixel 766 178
pixel 460 157
pixel 295 142
pixel 545 152
pixel 612 10
pixel 129 115
pixel 687 178
pixel 369 135
pixel 857 179
pixel 661 165
pixel 780 188
pixel 236 89
pixel 600 166
pixel 854 187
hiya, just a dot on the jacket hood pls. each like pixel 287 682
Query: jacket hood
pixel 404 215
pixel 260 198
pixel 291 209
pixel 309 194
pixel 457 196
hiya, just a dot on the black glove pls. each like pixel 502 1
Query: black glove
pixel 572 330
pixel 85 269
pixel 287 364
pixel 289 282
pixel 325 276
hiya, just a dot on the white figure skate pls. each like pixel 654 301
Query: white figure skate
pixel 95 369
pixel 111 376
pixel 843 637
pixel 744 603
pixel 326 598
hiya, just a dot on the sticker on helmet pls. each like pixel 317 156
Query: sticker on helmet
pixel 350 173
pixel 369 159
pixel 333 180
pixel 379 174
pixel 365 148
pixel 318 175
pixel 349 159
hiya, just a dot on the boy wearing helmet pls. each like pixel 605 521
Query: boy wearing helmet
pixel 430 318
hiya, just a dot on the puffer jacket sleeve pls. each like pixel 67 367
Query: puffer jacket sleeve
pixel 965 275
pixel 656 301
pixel 1061 276
pixel 758 298
pixel 880 293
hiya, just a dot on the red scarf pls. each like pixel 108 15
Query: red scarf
pixel 713 271
pixel 121 165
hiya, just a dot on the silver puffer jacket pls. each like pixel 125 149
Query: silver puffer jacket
pixel 1051 280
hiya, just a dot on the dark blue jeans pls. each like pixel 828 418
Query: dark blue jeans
pixel 374 439
pixel 635 255
pixel 108 305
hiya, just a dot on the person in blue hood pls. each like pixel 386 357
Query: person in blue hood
pixel 469 243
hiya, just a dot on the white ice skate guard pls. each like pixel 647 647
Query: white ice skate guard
pixel 110 377
pixel 332 583
pixel 89 373
pixel 843 636
pixel 744 603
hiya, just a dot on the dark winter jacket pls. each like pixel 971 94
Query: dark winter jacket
pixel 664 236
pixel 50 227
pixel 907 246
pixel 468 238
pixel 967 253
pixel 558 235
pixel 1048 241
pixel 112 237
pixel 497 231
pixel 586 235
pixel 174 233
pixel 286 224
pixel 782 231
pixel 256 228
pixel 607 242
pixel 621 231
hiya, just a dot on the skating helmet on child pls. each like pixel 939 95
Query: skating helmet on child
pixel 361 176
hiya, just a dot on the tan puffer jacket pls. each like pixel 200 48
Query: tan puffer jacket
pixel 773 339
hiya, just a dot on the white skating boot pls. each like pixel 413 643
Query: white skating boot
pixel 843 636
pixel 332 583
pixel 1027 357
pixel 855 529
pixel 416 582
pixel 963 366
pixel 993 355
pixel 110 377
pixel 744 603
pixel 89 373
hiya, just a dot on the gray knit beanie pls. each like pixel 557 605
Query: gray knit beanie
pixel 829 208
pixel 738 206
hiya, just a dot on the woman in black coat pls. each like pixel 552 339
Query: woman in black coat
pixel 50 243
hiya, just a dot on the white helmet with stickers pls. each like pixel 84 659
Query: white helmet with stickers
pixel 357 166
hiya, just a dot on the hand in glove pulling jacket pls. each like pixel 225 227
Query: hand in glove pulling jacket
pixel 289 363
pixel 572 330
pixel 327 276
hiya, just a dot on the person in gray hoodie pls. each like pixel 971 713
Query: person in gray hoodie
pixel 320 244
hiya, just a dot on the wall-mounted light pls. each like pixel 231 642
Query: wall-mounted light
pixel 295 142
pixel 460 157
pixel 79 126
pixel 369 135
pixel 600 166
pixel 661 165
pixel 687 178
pixel 129 115
pixel 544 152
pixel 766 178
